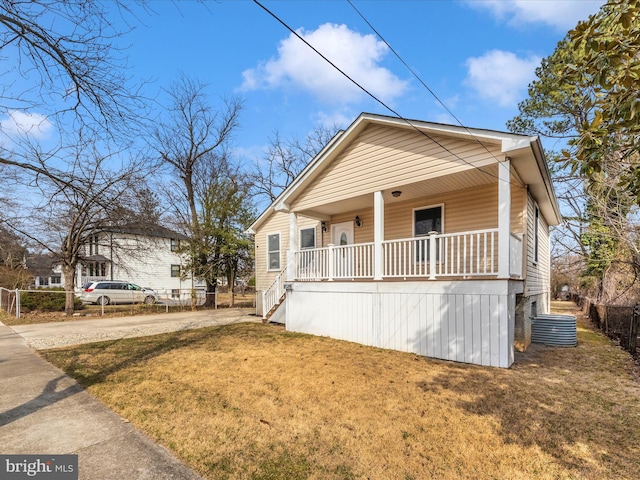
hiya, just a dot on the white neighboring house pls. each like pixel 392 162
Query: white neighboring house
pixel 146 256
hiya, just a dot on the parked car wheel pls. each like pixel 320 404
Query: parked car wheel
pixel 104 300
pixel 149 299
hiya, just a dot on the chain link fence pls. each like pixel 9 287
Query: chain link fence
pixel 19 303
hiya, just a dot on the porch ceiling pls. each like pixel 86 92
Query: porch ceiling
pixel 423 189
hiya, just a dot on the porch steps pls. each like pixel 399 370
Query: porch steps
pixel 274 308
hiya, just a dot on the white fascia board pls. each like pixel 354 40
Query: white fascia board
pixel 280 204
pixel 538 151
pixel 513 144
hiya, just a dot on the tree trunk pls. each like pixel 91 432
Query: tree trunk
pixel 210 300
pixel 231 280
pixel 69 273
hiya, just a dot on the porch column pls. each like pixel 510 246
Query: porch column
pixel 504 216
pixel 378 235
pixel 293 247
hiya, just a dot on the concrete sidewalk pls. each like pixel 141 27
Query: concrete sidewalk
pixel 44 411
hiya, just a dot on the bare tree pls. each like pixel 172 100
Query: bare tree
pixel 13 252
pixel 61 60
pixel 285 159
pixel 194 138
pixel 60 211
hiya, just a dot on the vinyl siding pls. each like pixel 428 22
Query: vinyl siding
pixel 278 222
pixel 465 210
pixel 145 261
pixel 538 273
pixel 384 156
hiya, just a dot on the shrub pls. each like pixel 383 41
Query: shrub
pixel 46 301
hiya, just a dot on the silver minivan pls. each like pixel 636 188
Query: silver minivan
pixel 105 292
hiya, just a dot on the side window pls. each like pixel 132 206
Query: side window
pixel 273 251
pixel 175 244
pixel 175 270
pixel 307 238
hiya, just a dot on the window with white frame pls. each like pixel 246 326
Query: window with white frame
pixel 273 251
pixel 93 245
pixel 175 244
pixel 175 270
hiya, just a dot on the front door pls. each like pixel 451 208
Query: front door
pixel 341 236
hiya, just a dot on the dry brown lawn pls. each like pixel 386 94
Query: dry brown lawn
pixel 252 401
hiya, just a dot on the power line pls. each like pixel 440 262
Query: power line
pixel 420 79
pixel 408 122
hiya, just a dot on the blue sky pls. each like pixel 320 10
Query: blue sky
pixel 477 56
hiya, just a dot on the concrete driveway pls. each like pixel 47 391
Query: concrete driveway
pixel 59 334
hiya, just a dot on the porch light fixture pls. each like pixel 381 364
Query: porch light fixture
pixel 396 193
pixel 324 226
pixel 358 221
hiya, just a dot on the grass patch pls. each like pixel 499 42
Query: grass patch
pixel 252 401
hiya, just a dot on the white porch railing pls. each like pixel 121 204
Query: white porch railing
pixel 272 295
pixel 335 262
pixel 443 255
pixel 436 255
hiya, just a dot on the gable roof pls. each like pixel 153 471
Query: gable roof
pixel 141 230
pixel 519 148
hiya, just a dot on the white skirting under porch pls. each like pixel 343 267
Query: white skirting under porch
pixel 464 321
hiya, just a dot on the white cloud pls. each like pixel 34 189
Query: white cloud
pixel 18 123
pixel 299 66
pixel 561 14
pixel 341 119
pixel 501 76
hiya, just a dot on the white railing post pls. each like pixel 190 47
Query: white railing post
pixel 378 235
pixel 17 303
pixel 292 268
pixel 504 217
pixel 264 304
pixel 432 255
pixel 332 261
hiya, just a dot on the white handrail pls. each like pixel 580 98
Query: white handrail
pixel 272 295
